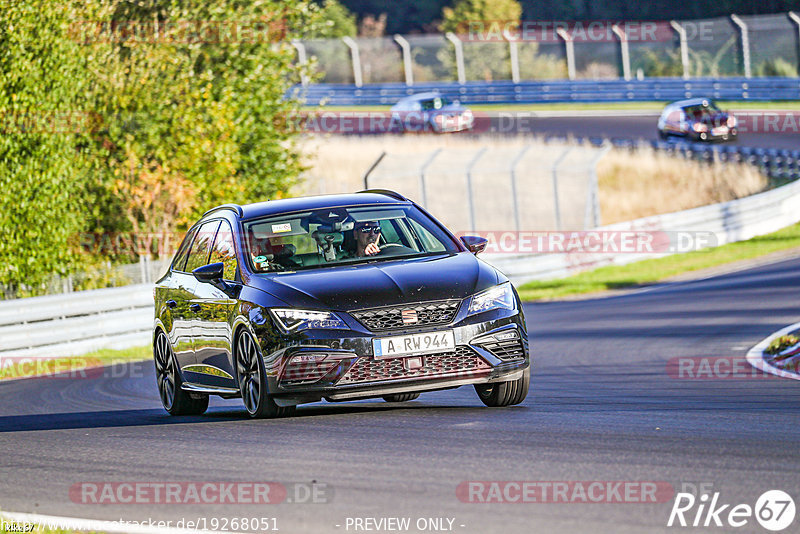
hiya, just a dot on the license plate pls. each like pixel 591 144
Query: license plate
pixel 427 343
pixel 719 130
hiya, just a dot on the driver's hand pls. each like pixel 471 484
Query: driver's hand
pixel 371 249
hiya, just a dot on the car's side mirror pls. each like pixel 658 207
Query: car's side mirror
pixel 474 244
pixel 211 273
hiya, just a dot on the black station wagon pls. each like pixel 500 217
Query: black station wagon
pixel 334 297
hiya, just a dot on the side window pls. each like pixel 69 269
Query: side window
pixel 183 251
pixel 223 251
pixel 428 240
pixel 201 246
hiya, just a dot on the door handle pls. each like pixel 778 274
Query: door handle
pixel 194 307
pixel 171 304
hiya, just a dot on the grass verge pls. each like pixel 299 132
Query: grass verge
pixel 654 270
pixel 11 368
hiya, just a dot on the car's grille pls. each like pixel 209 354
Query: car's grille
pixel 505 350
pixel 463 360
pixel 391 317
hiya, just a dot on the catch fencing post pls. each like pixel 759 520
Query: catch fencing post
pixel 453 38
pixel 554 170
pixel 684 47
pixel 302 58
pixel 591 218
pixel 372 168
pixel 623 44
pixel 796 19
pixel 745 44
pixel 407 62
pixel 469 188
pixel 422 176
pixel 570 48
pixel 356 57
pixel 514 197
pixel 513 54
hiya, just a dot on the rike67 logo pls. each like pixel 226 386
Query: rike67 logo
pixel 774 510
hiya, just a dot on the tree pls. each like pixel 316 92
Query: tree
pixel 337 21
pixel 175 98
pixel 43 146
pixel 483 60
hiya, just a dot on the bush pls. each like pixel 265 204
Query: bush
pixel 776 67
pixel 171 109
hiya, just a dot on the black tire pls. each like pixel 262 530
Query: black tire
pixel 506 393
pixel 400 397
pixel 252 380
pixel 168 378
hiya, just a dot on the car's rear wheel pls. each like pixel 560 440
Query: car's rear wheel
pixel 400 397
pixel 253 381
pixel 174 399
pixel 505 393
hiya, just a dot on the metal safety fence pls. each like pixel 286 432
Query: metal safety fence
pixel 546 186
pixel 492 51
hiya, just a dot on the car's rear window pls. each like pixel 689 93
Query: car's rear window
pixel 342 235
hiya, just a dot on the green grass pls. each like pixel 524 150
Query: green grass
pixel 11 368
pixel 785 105
pixel 653 270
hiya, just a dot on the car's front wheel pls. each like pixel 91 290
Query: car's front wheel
pixel 174 399
pixel 505 393
pixel 253 381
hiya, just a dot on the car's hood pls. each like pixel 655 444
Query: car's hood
pixel 449 109
pixel 381 283
pixel 715 119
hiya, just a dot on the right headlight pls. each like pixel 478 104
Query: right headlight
pixel 293 320
pixel 497 297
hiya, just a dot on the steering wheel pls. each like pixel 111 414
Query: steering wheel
pixel 387 245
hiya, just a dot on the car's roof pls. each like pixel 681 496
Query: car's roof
pixel 691 102
pixel 287 205
pixel 421 96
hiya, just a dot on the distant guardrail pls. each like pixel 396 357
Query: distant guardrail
pixel 529 92
pixel 731 221
pixel 777 163
pixel 76 323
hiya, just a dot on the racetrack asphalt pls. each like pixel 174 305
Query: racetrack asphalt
pixel 602 407
pixel 622 125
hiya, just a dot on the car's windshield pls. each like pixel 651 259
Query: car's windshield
pixel 341 235
pixel 434 103
pixel 700 112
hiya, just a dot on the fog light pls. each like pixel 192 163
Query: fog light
pixel 307 368
pixel 308 358
pixel 505 336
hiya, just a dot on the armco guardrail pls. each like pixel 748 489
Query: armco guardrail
pixel 731 221
pixel 507 92
pixel 76 323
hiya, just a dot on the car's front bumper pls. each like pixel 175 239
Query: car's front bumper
pixel 351 371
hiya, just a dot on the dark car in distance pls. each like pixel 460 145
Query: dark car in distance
pixel 698 119
pixel 334 297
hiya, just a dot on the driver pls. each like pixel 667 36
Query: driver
pixel 367 234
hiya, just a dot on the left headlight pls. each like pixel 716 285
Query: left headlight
pixel 497 297
pixel 293 320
